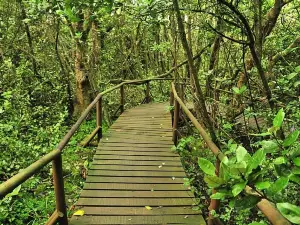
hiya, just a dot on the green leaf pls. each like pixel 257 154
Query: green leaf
pixel 291 138
pixel 238 188
pixel 297 161
pixel 291 76
pixel 290 211
pixel 262 185
pixel 242 89
pixel 294 178
pixel 277 122
pixel 257 158
pixel 280 160
pixel 297 69
pixel 236 90
pixel 246 202
pixel 213 181
pixel 240 153
pixel 269 146
pixel 218 195
pixel 278 186
pixel 297 83
pixel 207 166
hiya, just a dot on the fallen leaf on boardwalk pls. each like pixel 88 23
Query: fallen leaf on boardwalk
pixel 148 207
pixel 173 178
pixel 163 163
pixel 79 213
pixel 186 217
pixel 152 189
pixel 107 139
pixel 159 166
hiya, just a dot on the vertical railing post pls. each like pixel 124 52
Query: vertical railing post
pixel 58 181
pixel 99 118
pixel 122 98
pixel 172 104
pixel 148 99
pixel 175 122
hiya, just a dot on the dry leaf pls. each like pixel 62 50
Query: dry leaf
pixel 79 213
pixel 148 207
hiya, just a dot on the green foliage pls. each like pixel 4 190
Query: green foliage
pixel 268 171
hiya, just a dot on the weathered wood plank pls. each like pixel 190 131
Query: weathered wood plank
pixel 137 158
pixel 135 180
pixel 134 167
pixel 137 163
pixel 135 153
pixel 134 149
pixel 134 194
pixel 141 220
pixel 153 202
pixel 139 211
pixel 142 187
pixel 125 174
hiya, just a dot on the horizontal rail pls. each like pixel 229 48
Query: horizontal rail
pixel 271 213
pixel 9 185
pixel 212 146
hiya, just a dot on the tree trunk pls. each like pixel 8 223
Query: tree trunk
pixel 199 98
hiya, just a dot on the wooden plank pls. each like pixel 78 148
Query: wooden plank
pixel 142 187
pixel 138 168
pixel 153 202
pixel 135 180
pixel 137 163
pixel 125 174
pixel 133 194
pixel 134 149
pixel 132 140
pixel 136 153
pixel 139 211
pixel 141 220
pixel 152 145
pixel 137 158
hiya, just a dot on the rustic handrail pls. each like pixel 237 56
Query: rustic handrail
pixel 271 213
pixel 60 214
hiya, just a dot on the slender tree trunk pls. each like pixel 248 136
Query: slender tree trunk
pixel 199 101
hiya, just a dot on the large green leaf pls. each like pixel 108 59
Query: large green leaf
pixel 278 186
pixel 269 146
pixel 277 122
pixel 240 153
pixel 257 159
pixel 297 69
pixel 213 181
pixel 257 223
pixel 291 138
pixel 246 202
pixel 207 166
pixel 262 185
pixel 218 195
pixel 238 188
pixel 297 161
pixel 280 160
pixel 294 178
pixel 290 211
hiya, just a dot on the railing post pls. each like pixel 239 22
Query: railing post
pixel 122 98
pixel 172 104
pixel 175 122
pixel 99 118
pixel 148 99
pixel 58 181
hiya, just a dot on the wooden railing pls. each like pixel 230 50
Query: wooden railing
pixel 264 205
pixel 60 214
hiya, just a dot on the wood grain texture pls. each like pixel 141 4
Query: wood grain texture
pixel 135 167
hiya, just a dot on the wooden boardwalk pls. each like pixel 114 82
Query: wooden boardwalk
pixel 135 178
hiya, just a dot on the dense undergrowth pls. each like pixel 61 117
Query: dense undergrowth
pixel 270 167
pixel 33 202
